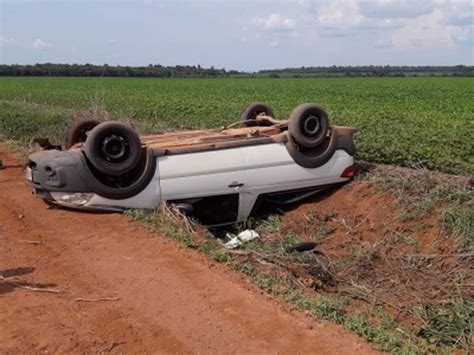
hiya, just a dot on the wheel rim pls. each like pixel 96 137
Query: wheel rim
pixel 115 148
pixel 311 126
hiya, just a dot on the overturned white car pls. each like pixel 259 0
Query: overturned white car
pixel 218 176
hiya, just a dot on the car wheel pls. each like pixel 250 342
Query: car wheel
pixel 113 148
pixel 308 125
pixel 250 113
pixel 78 131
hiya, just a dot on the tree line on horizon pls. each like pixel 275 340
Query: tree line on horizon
pixel 372 71
pixel 185 71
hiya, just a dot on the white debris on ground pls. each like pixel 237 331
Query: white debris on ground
pixel 237 240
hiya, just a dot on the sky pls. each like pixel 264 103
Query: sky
pixel 242 35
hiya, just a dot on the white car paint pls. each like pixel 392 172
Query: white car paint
pixel 257 169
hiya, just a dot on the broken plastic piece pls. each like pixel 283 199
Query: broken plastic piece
pixel 301 247
pixel 241 238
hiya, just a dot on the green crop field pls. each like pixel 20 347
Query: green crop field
pixel 423 121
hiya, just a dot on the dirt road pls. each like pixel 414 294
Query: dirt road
pixel 162 297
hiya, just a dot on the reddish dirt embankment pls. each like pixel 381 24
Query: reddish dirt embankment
pixel 161 297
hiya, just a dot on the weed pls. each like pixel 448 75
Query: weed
pixel 20 150
pixel 288 240
pixel 268 284
pixel 327 308
pixel 459 221
pixel 385 340
pixel 156 221
pixel 356 252
pixel 322 232
pixel 180 234
pixel 221 256
pixel 419 191
pixel 449 324
pixel 415 210
pixel 269 225
pixel 246 268
pixel 150 218
pixel 208 247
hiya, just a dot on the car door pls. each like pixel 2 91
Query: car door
pixel 270 168
pixel 219 174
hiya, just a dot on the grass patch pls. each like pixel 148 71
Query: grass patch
pixel 384 338
pixel 159 221
pixel 459 222
pixel 22 122
pixel 449 324
pixel 419 191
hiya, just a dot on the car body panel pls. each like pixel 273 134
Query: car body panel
pixel 201 174
pixel 149 198
pixel 199 178
pixel 207 166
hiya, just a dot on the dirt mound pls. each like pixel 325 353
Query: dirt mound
pixel 381 253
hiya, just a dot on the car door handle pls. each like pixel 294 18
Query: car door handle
pixel 236 184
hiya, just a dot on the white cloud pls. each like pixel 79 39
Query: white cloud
pixel 340 14
pixel 39 44
pixel 426 31
pixel 275 23
pixel 397 23
pixel 450 24
pixel 458 13
pixel 396 8
pixel 342 18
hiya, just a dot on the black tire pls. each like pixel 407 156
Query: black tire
pixel 250 113
pixel 308 125
pixel 78 131
pixel 113 148
pixel 144 174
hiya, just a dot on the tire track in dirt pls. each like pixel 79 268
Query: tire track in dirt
pixel 170 299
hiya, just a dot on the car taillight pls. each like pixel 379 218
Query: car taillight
pixel 349 172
